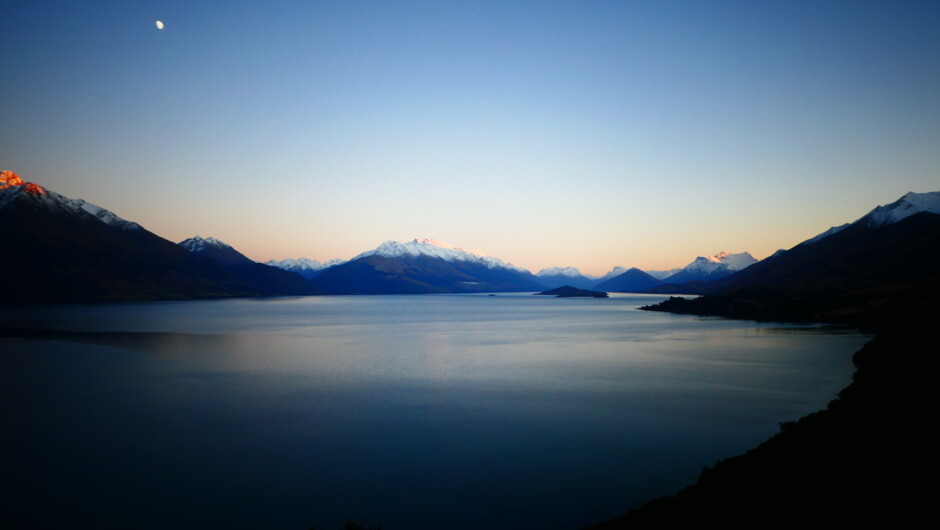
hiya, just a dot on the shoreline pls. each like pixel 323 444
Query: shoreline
pixel 868 455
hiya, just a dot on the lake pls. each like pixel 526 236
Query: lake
pixel 410 412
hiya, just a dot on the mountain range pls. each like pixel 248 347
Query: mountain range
pixel 308 268
pixel 423 266
pixel 66 249
pixel 870 455
pixel 875 269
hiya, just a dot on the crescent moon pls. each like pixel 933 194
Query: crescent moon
pixel 159 24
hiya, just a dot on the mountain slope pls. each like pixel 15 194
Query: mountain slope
pixel 560 276
pixel 631 281
pixel 872 269
pixel 308 268
pixel 711 268
pixel 214 249
pixel 57 249
pixel 265 277
pixel 420 267
pixel 871 455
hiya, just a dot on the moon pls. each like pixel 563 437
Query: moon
pixel 159 24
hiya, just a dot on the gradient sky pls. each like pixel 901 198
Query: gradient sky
pixel 589 134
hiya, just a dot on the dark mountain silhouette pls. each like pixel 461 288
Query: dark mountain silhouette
pixel 860 273
pixel 420 275
pixel 308 268
pixel 423 266
pixel 870 457
pixel 632 281
pixel 567 291
pixel 214 249
pixel 265 277
pixel 561 276
pixel 57 249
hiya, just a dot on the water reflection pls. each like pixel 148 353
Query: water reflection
pixel 414 412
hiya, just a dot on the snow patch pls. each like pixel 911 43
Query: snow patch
pixel 12 187
pixel 616 271
pixel 435 249
pixel 303 264
pixel 908 205
pixel 569 272
pixel 199 244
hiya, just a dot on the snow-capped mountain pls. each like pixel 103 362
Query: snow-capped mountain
pixel 616 271
pixel 216 249
pixel 629 281
pixel 435 249
pixel 909 204
pixel 881 263
pixel 554 277
pixel 827 233
pixel 306 267
pixel 12 186
pixel 906 206
pixel 200 244
pixel 67 250
pixel 571 272
pixel 711 267
pixel 423 266
pixel 662 275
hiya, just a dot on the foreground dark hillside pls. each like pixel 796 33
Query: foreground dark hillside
pixel 871 455
pixel 861 276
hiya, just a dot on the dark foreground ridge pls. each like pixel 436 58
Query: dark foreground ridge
pixel 871 455
pixel 568 291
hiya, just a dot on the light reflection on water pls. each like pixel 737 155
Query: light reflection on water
pixel 411 411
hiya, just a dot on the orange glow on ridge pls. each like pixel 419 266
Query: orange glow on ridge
pixel 9 179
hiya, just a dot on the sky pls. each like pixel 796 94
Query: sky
pixel 577 133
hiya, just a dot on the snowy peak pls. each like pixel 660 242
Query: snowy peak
pixel 734 262
pixel 661 275
pixel 570 272
pixel 911 203
pixel 12 187
pixel 305 264
pixel 306 267
pixel 711 267
pixel 616 271
pixel 9 179
pixel 570 276
pixel 215 249
pixel 200 244
pixel 435 249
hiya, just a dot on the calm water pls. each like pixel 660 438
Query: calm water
pixel 454 411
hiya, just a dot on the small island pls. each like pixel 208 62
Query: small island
pixel 568 291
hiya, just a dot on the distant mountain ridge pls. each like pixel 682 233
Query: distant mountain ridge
pixel 910 203
pixel 67 250
pixel 74 250
pixel 554 277
pixel 711 267
pixel 308 268
pixel 215 249
pixel 270 279
pixel 423 266
pixel 874 268
pixel 630 281
pixel 436 249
